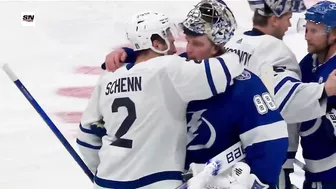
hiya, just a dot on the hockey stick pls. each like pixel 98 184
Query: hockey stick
pixel 47 120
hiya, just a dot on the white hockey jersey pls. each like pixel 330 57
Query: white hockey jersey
pixel 144 113
pixel 270 59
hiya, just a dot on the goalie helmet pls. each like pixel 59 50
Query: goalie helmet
pixel 212 18
pixel 323 12
pixel 145 24
pixel 276 7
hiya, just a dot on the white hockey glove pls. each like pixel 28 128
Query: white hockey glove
pixel 240 178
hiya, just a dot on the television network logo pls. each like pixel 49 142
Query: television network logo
pixel 27 18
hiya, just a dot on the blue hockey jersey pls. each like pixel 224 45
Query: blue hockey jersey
pixel 317 136
pixel 246 113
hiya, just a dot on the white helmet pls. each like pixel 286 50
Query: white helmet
pixel 145 24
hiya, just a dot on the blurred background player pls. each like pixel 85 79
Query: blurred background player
pixel 245 113
pixel 318 136
pixel 143 108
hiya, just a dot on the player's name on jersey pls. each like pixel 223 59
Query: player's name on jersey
pixel 124 84
pixel 244 57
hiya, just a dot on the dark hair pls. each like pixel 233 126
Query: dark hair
pixel 186 31
pixel 153 38
pixel 158 38
pixel 261 20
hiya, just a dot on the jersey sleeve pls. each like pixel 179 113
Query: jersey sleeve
pixel 204 79
pixel 263 133
pixel 297 101
pixel 89 139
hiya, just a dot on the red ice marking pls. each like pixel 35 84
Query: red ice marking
pixel 79 92
pixel 91 70
pixel 69 117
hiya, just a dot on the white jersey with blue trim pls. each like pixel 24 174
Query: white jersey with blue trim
pixel 143 108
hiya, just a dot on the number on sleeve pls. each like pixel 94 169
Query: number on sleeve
pixel 260 105
pixel 126 124
pixel 269 101
pixel 264 103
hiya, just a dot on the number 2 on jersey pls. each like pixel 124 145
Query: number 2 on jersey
pixel 126 124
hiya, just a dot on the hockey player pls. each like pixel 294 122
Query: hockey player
pixel 318 136
pixel 246 112
pixel 143 109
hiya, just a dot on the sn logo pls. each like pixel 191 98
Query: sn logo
pixel 28 18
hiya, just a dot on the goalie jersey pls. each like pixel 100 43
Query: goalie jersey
pixel 143 108
pixel 318 138
pixel 246 112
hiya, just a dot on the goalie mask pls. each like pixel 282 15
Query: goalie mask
pixel 277 7
pixel 212 18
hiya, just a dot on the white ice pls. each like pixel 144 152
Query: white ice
pixel 66 35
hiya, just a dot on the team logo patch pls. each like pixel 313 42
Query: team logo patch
pixel 320 80
pixel 244 76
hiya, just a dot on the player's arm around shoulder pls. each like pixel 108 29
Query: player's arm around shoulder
pixel 91 130
pixel 197 80
pixel 263 131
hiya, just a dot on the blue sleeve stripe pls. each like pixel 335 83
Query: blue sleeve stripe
pixel 143 181
pixel 291 155
pixel 283 81
pixel 256 2
pixel 87 145
pixel 226 71
pixel 209 76
pixel 88 131
pixel 284 102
